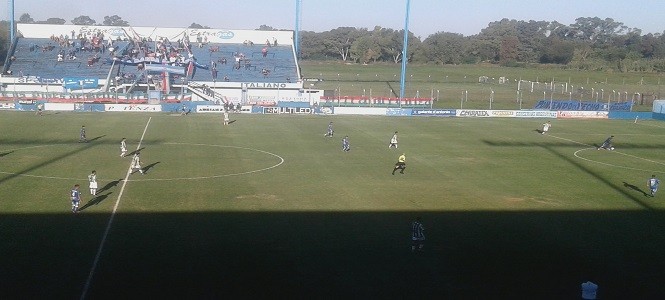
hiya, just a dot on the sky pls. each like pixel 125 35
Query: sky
pixel 426 16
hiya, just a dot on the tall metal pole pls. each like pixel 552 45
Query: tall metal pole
pixel 404 52
pixel 11 22
pixel 297 29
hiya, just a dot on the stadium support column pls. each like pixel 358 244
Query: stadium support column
pixel 405 48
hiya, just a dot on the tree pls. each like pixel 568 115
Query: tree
pixel 198 26
pixel 508 49
pixel 339 41
pixel 83 20
pixel 26 18
pixel 266 28
pixel 57 21
pixel 114 20
pixel 365 49
pixel 312 46
pixel 557 51
pixel 596 30
pixel 444 48
pixel 4 38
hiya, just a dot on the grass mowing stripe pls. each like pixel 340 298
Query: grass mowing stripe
pixel 108 225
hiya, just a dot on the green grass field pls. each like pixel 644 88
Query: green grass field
pixel 450 84
pixel 269 207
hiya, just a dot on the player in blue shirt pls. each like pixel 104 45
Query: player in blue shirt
pixel 345 144
pixel 75 196
pixel 330 130
pixel 653 183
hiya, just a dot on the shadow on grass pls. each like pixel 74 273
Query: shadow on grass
pixel 216 255
pixel 109 186
pixel 134 152
pixel 150 166
pixel 96 200
pixel 6 153
pixel 635 188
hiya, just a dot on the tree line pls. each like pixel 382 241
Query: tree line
pixel 591 43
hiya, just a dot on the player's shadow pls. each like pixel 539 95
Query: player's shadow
pixel 134 152
pixel 109 185
pixel 96 138
pixel 6 153
pixel 635 188
pixel 232 121
pixel 538 131
pixel 148 167
pixel 98 199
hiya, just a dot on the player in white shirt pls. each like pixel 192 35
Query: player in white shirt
pixel 123 147
pixel 653 183
pixel 393 141
pixel 546 127
pixel 136 163
pixel 226 117
pixel 92 179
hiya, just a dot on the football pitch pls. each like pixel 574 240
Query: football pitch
pixel 268 207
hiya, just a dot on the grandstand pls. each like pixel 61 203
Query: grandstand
pixel 210 64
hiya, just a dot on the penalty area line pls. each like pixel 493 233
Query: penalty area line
pixel 95 262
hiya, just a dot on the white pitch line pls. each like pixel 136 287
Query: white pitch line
pixel 108 226
pixel 609 164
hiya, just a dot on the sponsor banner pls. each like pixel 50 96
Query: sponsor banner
pixel 585 106
pixel 287 110
pixel 246 109
pixel 74 83
pixel 502 113
pixel 263 85
pixel 133 107
pixel 475 113
pixel 566 114
pixel 88 107
pixel 399 112
pixel 293 99
pixel 293 104
pixel 434 112
pixel 59 106
pixel 535 114
pixel 210 108
pixel 7 105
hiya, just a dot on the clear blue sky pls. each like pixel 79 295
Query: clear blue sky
pixel 427 16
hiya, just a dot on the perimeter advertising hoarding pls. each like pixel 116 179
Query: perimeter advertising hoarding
pixel 77 83
pixel 434 112
pixel 210 108
pixel 563 114
pixel 535 114
pixel 133 107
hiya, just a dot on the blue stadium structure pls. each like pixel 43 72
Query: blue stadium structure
pixel 234 66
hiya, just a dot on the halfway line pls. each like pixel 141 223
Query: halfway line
pixel 108 226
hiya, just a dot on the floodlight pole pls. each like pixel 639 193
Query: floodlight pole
pixel 296 38
pixel 405 48
pixel 11 22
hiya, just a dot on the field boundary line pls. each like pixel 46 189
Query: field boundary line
pixel 95 262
